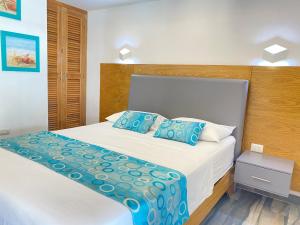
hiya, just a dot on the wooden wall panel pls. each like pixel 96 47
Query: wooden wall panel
pixel 273 110
pixel 273 115
pixel 114 88
pixel 230 72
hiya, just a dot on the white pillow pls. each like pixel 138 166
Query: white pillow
pixel 114 117
pixel 212 131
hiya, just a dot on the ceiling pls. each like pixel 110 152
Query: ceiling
pixel 99 4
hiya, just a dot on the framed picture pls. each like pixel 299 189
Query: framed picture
pixel 10 9
pixel 20 52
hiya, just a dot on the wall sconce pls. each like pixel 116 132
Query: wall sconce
pixel 125 53
pixel 275 53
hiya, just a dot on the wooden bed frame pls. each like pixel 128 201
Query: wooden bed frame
pixel 224 185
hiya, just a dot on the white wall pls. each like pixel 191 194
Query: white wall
pixel 23 96
pixel 190 32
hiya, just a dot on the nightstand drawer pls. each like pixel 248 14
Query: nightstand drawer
pixel 264 179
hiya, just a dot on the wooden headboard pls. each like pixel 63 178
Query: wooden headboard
pixel 273 110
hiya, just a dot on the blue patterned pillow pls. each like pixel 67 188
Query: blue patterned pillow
pixel 183 131
pixel 139 122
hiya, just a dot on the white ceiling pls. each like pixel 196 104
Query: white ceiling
pixel 99 4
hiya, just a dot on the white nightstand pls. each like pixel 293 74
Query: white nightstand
pixel 265 173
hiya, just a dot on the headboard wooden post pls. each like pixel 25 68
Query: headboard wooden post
pixel 273 110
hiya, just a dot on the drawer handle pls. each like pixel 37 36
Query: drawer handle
pixel 261 179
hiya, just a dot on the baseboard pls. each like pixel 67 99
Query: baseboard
pixel 296 193
pixel 295 197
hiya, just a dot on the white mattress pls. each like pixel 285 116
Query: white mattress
pixel 31 194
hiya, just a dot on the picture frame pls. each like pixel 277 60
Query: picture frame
pixel 10 9
pixel 20 52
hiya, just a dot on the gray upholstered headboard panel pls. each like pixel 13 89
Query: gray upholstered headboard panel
pixel 221 101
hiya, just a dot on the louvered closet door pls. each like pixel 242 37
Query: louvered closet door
pixel 54 67
pixel 74 67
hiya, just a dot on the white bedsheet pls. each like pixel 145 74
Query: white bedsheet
pixel 31 194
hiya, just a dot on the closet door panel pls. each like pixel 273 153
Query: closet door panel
pixel 66 65
pixel 54 67
pixel 75 68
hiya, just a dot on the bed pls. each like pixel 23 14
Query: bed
pixel 32 194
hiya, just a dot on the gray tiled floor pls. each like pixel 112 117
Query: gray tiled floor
pixel 245 208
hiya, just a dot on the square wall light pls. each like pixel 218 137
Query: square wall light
pixel 125 53
pixel 275 53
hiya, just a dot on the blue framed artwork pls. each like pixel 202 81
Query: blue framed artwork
pixel 10 9
pixel 20 52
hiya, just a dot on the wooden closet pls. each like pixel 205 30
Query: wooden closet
pixel 67 36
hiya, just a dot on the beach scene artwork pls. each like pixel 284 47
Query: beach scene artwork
pixel 20 52
pixel 10 8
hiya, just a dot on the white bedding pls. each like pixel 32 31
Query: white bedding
pixel 31 194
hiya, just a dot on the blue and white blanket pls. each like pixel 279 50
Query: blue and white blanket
pixel 154 194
